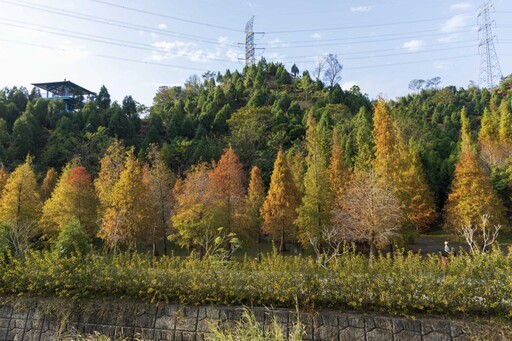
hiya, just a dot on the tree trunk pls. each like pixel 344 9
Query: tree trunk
pixel 282 246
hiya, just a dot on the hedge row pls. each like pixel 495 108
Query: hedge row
pixel 398 284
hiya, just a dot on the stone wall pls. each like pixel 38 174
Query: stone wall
pixel 40 320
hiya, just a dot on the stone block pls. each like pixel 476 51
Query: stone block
pixel 378 334
pixel 3 333
pixel 164 335
pixel 184 336
pixel 147 334
pixel 19 315
pixel 352 334
pixel 165 322
pixel 355 321
pixel 280 315
pixel 18 324
pixel 400 325
pixel 436 336
pixel 431 326
pixel 15 334
pixel 408 335
pixel 4 322
pixel 6 311
pixel 461 337
pixel 456 330
pixel 186 324
pixel 328 319
pixel 145 321
pixel 326 332
pixel 379 323
pixel 259 314
pixel 204 325
pixel 233 314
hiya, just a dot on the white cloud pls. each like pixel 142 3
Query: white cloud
pixel 171 49
pixel 361 9
pixel 162 26
pixel 461 6
pixel 223 40
pixel 454 23
pixel 413 45
pixel 316 35
pixel 277 43
pixel 449 39
pixel 232 55
pixel 442 65
pixel 348 85
pixel 73 52
pixel 154 35
pixel 165 50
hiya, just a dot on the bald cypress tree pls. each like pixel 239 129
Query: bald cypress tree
pixel 472 195
pixel 314 214
pixel 279 208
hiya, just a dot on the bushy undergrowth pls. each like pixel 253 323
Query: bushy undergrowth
pixel 402 284
pixel 248 329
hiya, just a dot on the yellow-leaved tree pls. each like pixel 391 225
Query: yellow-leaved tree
pixel 279 210
pixel 253 203
pixel 48 185
pixel 111 166
pixel 159 180
pixel 127 217
pixel 20 207
pixel 73 198
pixel 20 200
pixel 471 196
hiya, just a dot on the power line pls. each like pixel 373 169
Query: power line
pixel 167 16
pixel 359 26
pixel 110 22
pixel 382 35
pixel 105 56
pixel 95 38
pixel 402 53
pixel 384 50
pixel 350 41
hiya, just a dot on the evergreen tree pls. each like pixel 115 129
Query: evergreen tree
pixel 363 141
pixel 314 213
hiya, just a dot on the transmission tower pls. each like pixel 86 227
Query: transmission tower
pixel 490 71
pixel 250 48
pixel 249 42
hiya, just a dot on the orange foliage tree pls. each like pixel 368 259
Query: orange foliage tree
pixel 472 195
pixel 73 198
pixel 279 210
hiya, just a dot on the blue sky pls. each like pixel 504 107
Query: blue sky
pixel 135 46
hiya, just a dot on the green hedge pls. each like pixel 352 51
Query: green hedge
pixel 402 284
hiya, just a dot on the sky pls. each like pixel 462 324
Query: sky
pixel 135 46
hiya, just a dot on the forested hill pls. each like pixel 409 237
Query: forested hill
pixel 255 111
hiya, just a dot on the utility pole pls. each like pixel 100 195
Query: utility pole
pixel 490 70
